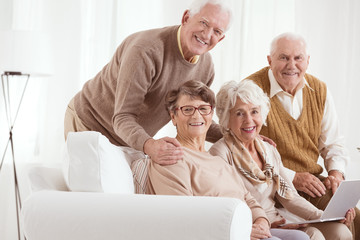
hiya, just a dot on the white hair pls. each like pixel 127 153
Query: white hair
pixel 289 36
pixel 248 92
pixel 225 5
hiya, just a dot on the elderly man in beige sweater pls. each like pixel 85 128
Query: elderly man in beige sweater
pixel 125 100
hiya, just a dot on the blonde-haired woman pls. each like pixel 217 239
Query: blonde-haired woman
pixel 242 108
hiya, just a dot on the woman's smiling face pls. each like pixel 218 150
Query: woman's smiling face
pixel 195 125
pixel 245 121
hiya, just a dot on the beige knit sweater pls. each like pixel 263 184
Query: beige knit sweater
pixel 125 100
pixel 201 174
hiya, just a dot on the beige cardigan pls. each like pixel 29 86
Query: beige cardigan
pixel 265 194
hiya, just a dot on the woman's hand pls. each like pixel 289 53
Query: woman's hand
pixel 349 217
pixel 260 229
pixel 288 226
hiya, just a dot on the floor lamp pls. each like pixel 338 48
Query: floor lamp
pixel 23 54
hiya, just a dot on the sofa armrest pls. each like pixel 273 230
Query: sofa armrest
pixel 73 215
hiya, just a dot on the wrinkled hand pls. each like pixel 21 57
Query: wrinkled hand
pixel 309 184
pixel 164 151
pixel 349 217
pixel 260 229
pixel 333 180
pixel 268 140
pixel 277 224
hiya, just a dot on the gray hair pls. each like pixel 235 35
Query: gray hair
pixel 248 92
pixel 197 5
pixel 289 36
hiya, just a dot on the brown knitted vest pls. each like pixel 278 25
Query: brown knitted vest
pixel 296 140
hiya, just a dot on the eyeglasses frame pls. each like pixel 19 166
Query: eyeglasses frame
pixel 195 108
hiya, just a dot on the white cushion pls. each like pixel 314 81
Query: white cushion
pixel 93 164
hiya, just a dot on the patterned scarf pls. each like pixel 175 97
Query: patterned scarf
pixel 249 168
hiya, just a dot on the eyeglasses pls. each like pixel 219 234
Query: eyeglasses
pixel 219 33
pixel 190 110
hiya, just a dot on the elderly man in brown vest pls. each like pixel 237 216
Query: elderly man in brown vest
pixel 303 122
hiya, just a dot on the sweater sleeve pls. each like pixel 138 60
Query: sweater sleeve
pixel 331 141
pixel 134 79
pixel 220 149
pixel 142 72
pixel 170 179
pixel 256 210
pixel 214 133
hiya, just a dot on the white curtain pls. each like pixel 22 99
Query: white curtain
pixel 332 29
pixel 85 34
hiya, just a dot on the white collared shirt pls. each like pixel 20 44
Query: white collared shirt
pixel 331 142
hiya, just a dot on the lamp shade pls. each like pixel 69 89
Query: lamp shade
pixel 28 52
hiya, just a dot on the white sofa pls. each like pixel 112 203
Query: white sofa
pixel 103 205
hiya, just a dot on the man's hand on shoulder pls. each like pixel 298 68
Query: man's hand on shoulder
pixel 309 184
pixel 333 180
pixel 164 151
pixel 268 140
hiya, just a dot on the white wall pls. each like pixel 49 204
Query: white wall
pixel 85 34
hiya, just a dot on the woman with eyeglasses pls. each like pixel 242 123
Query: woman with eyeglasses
pixel 199 173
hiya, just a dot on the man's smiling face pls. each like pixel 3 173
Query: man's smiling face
pixel 202 31
pixel 289 63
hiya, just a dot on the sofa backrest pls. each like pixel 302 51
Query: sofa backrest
pixel 46 178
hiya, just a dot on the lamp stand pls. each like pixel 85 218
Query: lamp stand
pixel 5 77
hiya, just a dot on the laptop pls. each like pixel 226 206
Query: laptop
pixel 346 196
